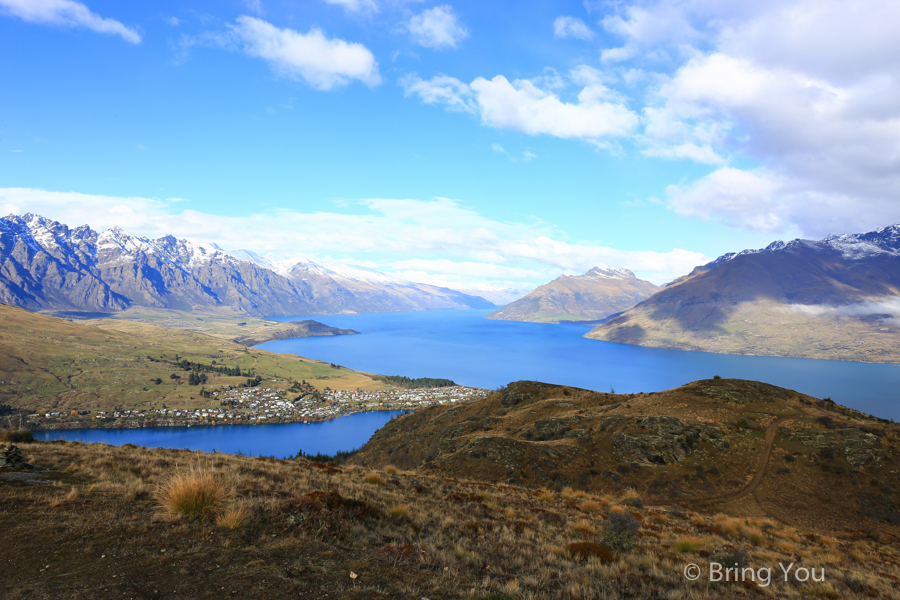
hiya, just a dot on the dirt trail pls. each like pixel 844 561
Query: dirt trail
pixel 751 486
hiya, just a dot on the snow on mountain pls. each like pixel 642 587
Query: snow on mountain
pixel 45 264
pixel 601 273
pixel 852 246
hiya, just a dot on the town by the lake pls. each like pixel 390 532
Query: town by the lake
pixel 237 405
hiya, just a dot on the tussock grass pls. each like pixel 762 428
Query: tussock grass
pixel 192 494
pixel 233 518
pixel 375 479
pixel 689 544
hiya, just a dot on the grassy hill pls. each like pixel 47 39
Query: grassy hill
pixel 741 446
pixel 51 363
pixel 112 522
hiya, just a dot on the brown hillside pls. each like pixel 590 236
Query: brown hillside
pixel 744 446
pixel 804 300
pixel 589 297
pixel 92 522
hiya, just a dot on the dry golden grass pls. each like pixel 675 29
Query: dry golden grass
pixel 375 479
pixel 411 537
pixel 233 518
pixel 688 544
pixel 391 470
pixel 193 494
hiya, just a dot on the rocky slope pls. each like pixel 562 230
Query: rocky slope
pixel 595 295
pixel 834 298
pixel 753 447
pixel 45 265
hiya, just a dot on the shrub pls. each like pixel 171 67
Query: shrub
pixel 18 436
pixel 233 518
pixel 194 494
pixel 620 531
pixel 391 470
pixel 634 502
pixel 737 558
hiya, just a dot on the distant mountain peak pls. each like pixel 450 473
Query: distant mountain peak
pixel 605 273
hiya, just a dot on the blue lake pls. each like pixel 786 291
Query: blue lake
pixel 280 441
pixel 472 350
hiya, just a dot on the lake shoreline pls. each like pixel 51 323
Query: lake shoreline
pixel 126 423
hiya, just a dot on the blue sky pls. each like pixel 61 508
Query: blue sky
pixel 474 144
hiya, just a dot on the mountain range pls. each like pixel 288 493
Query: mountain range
pixel 595 295
pixel 838 297
pixel 45 265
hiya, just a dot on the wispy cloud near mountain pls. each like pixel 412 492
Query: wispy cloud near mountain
pixel 437 241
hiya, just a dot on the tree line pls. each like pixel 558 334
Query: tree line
pixel 419 382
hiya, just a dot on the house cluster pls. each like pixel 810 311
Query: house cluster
pixel 404 398
pixel 269 405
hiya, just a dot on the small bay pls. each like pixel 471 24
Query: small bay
pixel 278 440
pixel 474 351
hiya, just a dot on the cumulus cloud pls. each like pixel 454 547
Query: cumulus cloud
pixel 438 238
pixel 523 105
pixel 565 27
pixel 805 88
pixel 67 13
pixel 736 196
pixel 356 6
pixel 322 62
pixel 437 28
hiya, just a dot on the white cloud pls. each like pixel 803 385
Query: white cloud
pixel 356 6
pixel 322 62
pixel 735 196
pixel 885 307
pixel 441 89
pixel 564 27
pixel 437 238
pixel 651 33
pixel 437 27
pixel 522 105
pixel 254 6
pixel 67 13
pixel 805 88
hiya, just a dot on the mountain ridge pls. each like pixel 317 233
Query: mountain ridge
pixel 45 265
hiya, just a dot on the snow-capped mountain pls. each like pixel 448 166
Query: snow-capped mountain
pixel 851 246
pixel 46 265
